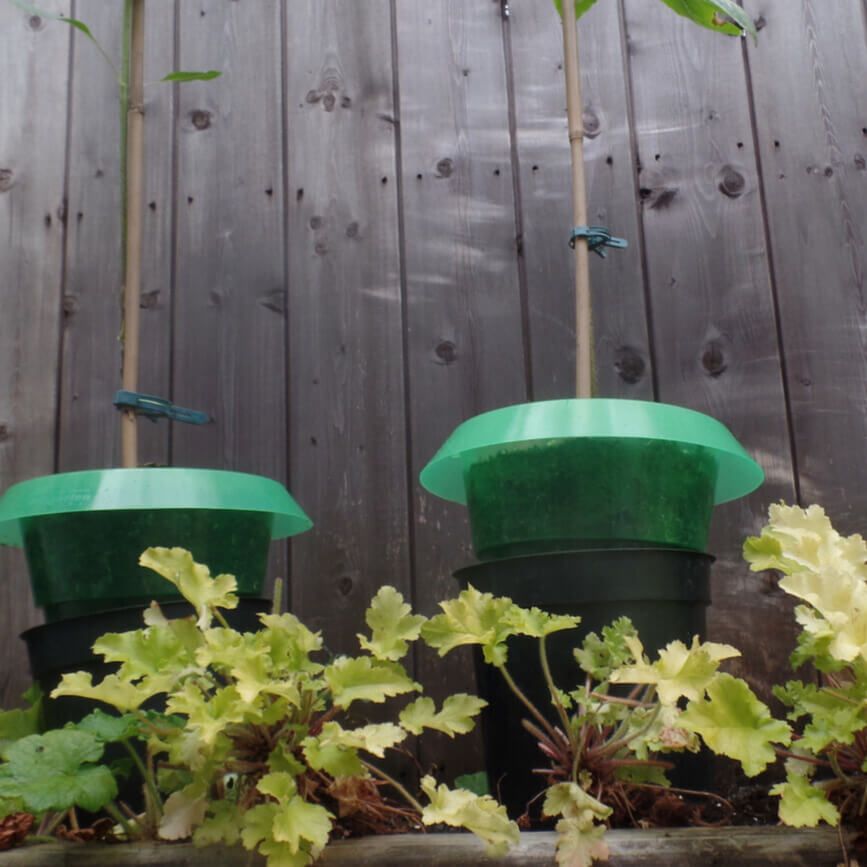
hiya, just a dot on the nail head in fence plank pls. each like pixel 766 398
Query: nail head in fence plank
pixel 345 324
pixel 33 91
pixel 461 279
pixel 714 325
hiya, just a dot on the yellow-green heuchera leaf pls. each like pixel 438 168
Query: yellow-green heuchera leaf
pixel 113 690
pixel 480 814
pixel 804 805
pixel 392 625
pixel 193 580
pixel 580 833
pixel 473 618
pixel 456 716
pixel 680 671
pixel 374 738
pixel 734 723
pixel 824 569
pixel 353 679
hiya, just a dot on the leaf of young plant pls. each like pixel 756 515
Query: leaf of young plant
pixel 803 805
pixel 580 844
pixel 299 820
pixel 207 715
pixel 280 786
pixel 113 690
pixel 365 679
pixel 460 808
pixel 193 580
pixel 679 671
pixel 598 657
pixel 55 771
pixel 280 855
pixel 289 642
pixel 457 715
pixel 723 16
pixel 374 738
pixel 20 722
pixel 182 812
pixel 477 783
pixel 581 6
pixel 258 824
pixel 222 825
pixel 192 76
pixel 472 618
pixel 392 625
pixel 107 728
pixel 734 723
pixel 571 801
pixel 536 623
pixel 335 760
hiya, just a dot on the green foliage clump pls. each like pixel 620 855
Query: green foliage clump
pixel 256 745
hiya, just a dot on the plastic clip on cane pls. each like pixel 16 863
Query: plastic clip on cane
pixel 598 237
pixel 155 408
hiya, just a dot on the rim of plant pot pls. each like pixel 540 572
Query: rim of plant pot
pixel 512 428
pixel 148 488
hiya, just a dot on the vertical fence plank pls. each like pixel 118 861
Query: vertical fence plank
pixel 463 302
pixel 714 326
pixel 33 89
pixel 812 131
pixel 230 298
pixel 91 302
pixel 623 358
pixel 348 442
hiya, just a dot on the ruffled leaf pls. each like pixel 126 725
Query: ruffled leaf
pixel 803 805
pixel 392 625
pixel 366 679
pixel 457 715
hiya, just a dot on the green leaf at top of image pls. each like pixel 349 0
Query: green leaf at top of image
pixel 209 75
pixel 581 6
pixel 723 16
pixel 56 771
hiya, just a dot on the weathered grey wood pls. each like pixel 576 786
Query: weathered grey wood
pixel 33 90
pixel 348 438
pixel 230 296
pixel 464 336
pixel 92 322
pixel 722 847
pixel 714 329
pixel 623 362
pixel 812 130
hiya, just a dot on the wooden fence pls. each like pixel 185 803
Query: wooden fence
pixel 356 238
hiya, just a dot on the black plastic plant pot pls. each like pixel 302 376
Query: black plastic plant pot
pixel 83 532
pixel 663 591
pixel 567 474
pixel 65 646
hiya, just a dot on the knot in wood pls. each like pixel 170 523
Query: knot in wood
pixel 352 230
pixel 344 585
pixel 713 360
pixel 445 167
pixel 5 180
pixel 591 124
pixel 4 433
pixel 200 118
pixel 629 365
pixel 446 352
pixel 35 22
pixel 731 182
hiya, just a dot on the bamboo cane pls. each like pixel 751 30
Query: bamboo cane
pixel 584 375
pixel 134 183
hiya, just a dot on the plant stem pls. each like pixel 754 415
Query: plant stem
pixel 154 802
pixel 118 817
pixel 526 702
pixel 584 373
pixel 132 137
pixel 552 688
pixel 404 792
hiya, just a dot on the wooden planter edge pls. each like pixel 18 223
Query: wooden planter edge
pixel 701 847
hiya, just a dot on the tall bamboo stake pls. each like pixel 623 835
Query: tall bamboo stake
pixel 132 241
pixel 575 111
